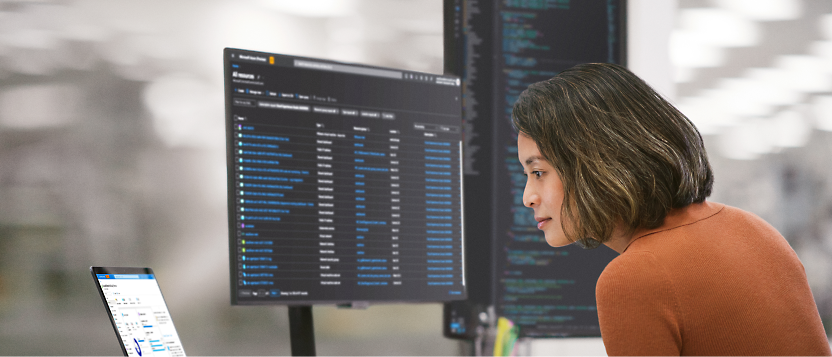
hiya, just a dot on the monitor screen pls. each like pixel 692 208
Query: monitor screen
pixel 344 182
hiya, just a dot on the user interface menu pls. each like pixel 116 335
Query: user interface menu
pixel 344 182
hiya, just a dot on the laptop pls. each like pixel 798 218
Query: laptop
pixel 137 311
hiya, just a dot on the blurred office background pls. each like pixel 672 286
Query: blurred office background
pixel 112 150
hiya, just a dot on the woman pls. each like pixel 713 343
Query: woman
pixel 609 161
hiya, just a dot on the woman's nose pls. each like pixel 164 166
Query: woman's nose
pixel 530 197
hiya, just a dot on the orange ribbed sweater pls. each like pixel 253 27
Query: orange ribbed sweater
pixel 712 280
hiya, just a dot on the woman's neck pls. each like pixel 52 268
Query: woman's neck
pixel 621 238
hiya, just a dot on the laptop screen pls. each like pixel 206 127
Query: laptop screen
pixel 138 311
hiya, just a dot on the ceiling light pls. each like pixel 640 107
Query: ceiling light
pixel 774 86
pixel 764 10
pixel 683 74
pixel 822 111
pixel 313 8
pixel 719 27
pixel 744 97
pixel 805 73
pixel 707 113
pixel 823 50
pixel 688 50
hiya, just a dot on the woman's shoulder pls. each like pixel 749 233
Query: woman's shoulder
pixel 633 273
pixel 737 224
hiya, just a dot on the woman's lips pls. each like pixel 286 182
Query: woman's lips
pixel 543 222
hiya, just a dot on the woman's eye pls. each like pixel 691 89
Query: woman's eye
pixel 537 173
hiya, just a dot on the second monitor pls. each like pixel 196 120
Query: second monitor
pixel 344 182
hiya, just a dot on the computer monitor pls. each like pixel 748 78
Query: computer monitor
pixel 344 182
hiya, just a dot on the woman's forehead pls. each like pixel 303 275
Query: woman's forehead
pixel 527 150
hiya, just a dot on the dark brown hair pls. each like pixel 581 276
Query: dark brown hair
pixel 623 153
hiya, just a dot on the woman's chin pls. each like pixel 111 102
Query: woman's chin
pixel 557 241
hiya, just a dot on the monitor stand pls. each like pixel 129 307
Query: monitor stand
pixel 301 331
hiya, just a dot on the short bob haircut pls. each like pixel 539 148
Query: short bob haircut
pixel 624 154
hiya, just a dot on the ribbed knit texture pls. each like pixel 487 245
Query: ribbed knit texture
pixel 712 280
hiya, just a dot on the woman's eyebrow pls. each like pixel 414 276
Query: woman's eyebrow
pixel 532 159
